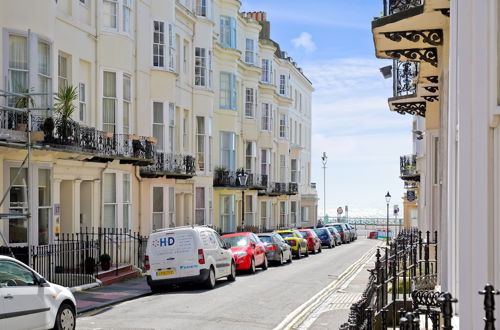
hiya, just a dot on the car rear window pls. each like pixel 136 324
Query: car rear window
pixel 321 232
pixel 339 227
pixel 266 239
pixel 286 234
pixel 236 241
pixel 303 233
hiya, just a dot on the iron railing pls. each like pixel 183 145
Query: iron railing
pixel 404 78
pixel 283 188
pixel 75 137
pixel 166 164
pixel 223 178
pixel 396 6
pixel 408 166
pixel 410 185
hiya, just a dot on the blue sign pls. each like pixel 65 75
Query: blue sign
pixel 410 195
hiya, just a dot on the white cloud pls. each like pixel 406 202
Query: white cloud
pixel 304 41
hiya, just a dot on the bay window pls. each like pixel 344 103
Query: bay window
pixel 117 15
pixel 228 31
pixel 228 150
pixel 201 8
pixel 267 117
pixel 250 102
pixel 227 91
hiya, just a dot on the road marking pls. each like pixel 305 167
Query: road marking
pixel 300 314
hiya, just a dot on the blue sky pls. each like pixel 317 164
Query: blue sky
pixel 332 41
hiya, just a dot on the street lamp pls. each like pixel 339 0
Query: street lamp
pixel 242 178
pixel 388 200
pixel 324 160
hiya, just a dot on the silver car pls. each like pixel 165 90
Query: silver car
pixel 277 250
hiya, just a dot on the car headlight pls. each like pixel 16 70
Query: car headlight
pixel 241 254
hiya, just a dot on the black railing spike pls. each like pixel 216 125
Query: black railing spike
pixel 447 309
pixel 489 306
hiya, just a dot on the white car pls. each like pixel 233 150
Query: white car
pixel 187 254
pixel 28 301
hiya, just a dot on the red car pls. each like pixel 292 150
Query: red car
pixel 249 252
pixel 313 241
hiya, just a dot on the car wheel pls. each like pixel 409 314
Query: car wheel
pixel 330 246
pixel 314 250
pixel 232 276
pixel 281 259
pixel 210 281
pixel 319 250
pixel 66 318
pixel 265 264
pixel 299 254
pixel 252 267
pixel 307 253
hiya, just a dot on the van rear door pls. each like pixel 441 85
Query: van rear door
pixel 173 254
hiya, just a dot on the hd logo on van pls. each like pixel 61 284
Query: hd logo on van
pixel 165 241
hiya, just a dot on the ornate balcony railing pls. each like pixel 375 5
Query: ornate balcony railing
pixel 224 178
pixel 396 6
pixel 411 185
pixel 170 165
pixel 71 136
pixel 408 168
pixel 282 188
pixel 405 75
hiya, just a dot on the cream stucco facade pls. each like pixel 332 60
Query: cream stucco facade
pixel 174 99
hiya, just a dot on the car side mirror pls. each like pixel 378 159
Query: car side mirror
pixel 227 245
pixel 42 282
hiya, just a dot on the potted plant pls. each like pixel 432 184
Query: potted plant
pixel 64 108
pixel 105 260
pixel 22 102
pixel 89 265
pixel 48 128
pixel 221 173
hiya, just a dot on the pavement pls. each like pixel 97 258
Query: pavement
pixel 104 296
pixel 260 301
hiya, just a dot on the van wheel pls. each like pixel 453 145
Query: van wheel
pixel 210 281
pixel 155 288
pixel 232 276
pixel 252 266
pixel 265 264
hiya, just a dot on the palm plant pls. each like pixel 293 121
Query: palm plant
pixel 25 101
pixel 64 108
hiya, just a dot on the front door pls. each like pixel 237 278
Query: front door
pixel 24 301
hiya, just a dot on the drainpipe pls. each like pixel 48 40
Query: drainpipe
pixel 139 178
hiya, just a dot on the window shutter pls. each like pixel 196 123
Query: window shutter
pixel 233 32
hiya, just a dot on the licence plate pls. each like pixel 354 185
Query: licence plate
pixel 165 273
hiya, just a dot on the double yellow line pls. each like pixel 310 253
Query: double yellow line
pixel 299 315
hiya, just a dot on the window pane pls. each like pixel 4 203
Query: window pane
pixel 158 221
pixel 126 216
pixel 43 226
pixel 44 187
pixel 109 216
pixel 109 188
pixel 126 88
pixel 18 52
pixel 109 84
pixel 200 197
pixel 43 58
pixel 109 13
pixel 157 199
pixel 126 188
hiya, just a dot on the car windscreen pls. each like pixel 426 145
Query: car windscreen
pixel 266 239
pixel 321 232
pixel 286 234
pixel 303 233
pixel 236 241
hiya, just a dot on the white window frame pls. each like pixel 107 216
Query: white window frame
pixel 201 8
pixel 267 117
pixel 265 163
pixel 231 151
pixel 251 158
pixel 231 225
pixel 82 102
pixel 250 210
pixel 122 7
pixel 250 102
pixel 201 210
pixel 227 97
pixel 250 51
pixel 119 199
pixel 161 46
pixel 283 88
pixel 168 209
pixel 200 67
pixel 283 133
pixel 266 71
pixel 114 98
pixel 161 125
pixel 283 168
pixel 127 105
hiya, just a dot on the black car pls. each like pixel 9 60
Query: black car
pixel 326 237
pixel 277 249
pixel 335 234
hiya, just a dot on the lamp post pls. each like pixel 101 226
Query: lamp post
pixel 242 178
pixel 388 200
pixel 324 160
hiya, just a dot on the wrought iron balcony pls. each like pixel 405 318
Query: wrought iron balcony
pixel 396 6
pixel 411 185
pixel 408 168
pixel 282 188
pixel 170 165
pixel 71 136
pixel 405 75
pixel 224 178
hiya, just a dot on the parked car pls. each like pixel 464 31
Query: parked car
pixel 335 234
pixel 326 237
pixel 345 233
pixel 277 249
pixel 249 252
pixel 31 302
pixel 354 232
pixel 296 242
pixel 313 241
pixel 187 255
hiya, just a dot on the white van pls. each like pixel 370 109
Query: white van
pixel 187 254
